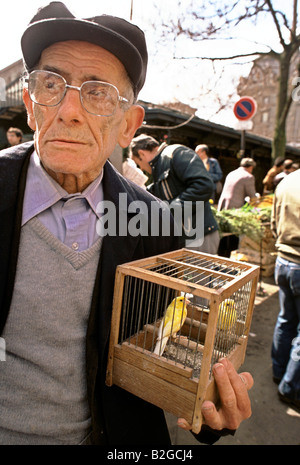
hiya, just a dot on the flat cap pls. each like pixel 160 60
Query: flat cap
pixel 55 23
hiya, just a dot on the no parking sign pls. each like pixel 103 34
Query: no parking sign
pixel 245 108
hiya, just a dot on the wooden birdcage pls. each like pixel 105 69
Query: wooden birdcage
pixel 179 379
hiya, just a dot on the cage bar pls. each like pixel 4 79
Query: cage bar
pixel 210 302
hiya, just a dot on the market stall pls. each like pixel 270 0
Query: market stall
pixel 252 224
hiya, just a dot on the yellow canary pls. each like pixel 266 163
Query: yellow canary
pixel 172 321
pixel 227 315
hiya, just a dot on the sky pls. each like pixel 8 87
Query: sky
pixel 189 80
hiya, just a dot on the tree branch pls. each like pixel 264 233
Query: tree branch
pixel 273 13
pixel 294 25
pixel 232 57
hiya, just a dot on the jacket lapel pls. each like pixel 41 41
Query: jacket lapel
pixel 13 169
pixel 115 249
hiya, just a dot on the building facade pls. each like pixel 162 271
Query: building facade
pixel 12 109
pixel 262 85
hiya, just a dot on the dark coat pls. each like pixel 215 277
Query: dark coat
pixel 179 176
pixel 118 417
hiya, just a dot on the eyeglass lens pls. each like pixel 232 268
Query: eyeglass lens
pixel 47 88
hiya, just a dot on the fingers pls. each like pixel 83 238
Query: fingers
pixel 233 391
pixel 247 380
pixel 223 376
pixel 184 424
pixel 211 416
pixel 216 419
pixel 240 384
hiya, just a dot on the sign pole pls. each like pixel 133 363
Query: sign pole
pixel 243 143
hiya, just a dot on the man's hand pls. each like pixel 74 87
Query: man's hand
pixel 235 404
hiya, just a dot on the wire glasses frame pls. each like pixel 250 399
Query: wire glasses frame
pixel 48 89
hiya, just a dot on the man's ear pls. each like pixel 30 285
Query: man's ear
pixel 29 107
pixel 133 119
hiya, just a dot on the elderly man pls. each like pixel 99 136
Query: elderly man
pixel 57 273
pixel 239 184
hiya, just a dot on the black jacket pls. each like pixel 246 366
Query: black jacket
pixel 179 175
pixel 117 416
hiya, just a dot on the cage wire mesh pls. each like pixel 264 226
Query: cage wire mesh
pixel 231 326
pixel 144 304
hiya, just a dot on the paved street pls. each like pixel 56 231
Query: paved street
pixel 272 422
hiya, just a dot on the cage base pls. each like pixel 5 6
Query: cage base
pixel 164 383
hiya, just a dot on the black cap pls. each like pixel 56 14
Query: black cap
pixel 55 23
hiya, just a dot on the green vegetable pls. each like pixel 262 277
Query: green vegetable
pixel 247 220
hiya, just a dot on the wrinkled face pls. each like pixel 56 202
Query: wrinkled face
pixel 68 139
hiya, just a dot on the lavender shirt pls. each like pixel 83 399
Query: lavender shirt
pixel 72 218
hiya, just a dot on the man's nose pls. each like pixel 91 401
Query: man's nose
pixel 70 108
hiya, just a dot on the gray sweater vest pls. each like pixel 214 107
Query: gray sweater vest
pixel 43 381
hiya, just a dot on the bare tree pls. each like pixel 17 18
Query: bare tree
pixel 215 20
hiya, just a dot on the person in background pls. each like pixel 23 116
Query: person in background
pixel 268 181
pixel 287 169
pixel 213 167
pixel 285 225
pixel 179 176
pixel 239 184
pixel 14 136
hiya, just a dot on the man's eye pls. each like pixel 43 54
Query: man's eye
pixel 99 93
pixel 50 84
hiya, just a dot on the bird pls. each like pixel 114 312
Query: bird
pixel 227 315
pixel 174 317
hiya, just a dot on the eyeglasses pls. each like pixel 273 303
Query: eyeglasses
pixel 48 89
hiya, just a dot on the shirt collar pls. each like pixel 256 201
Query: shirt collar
pixel 42 191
